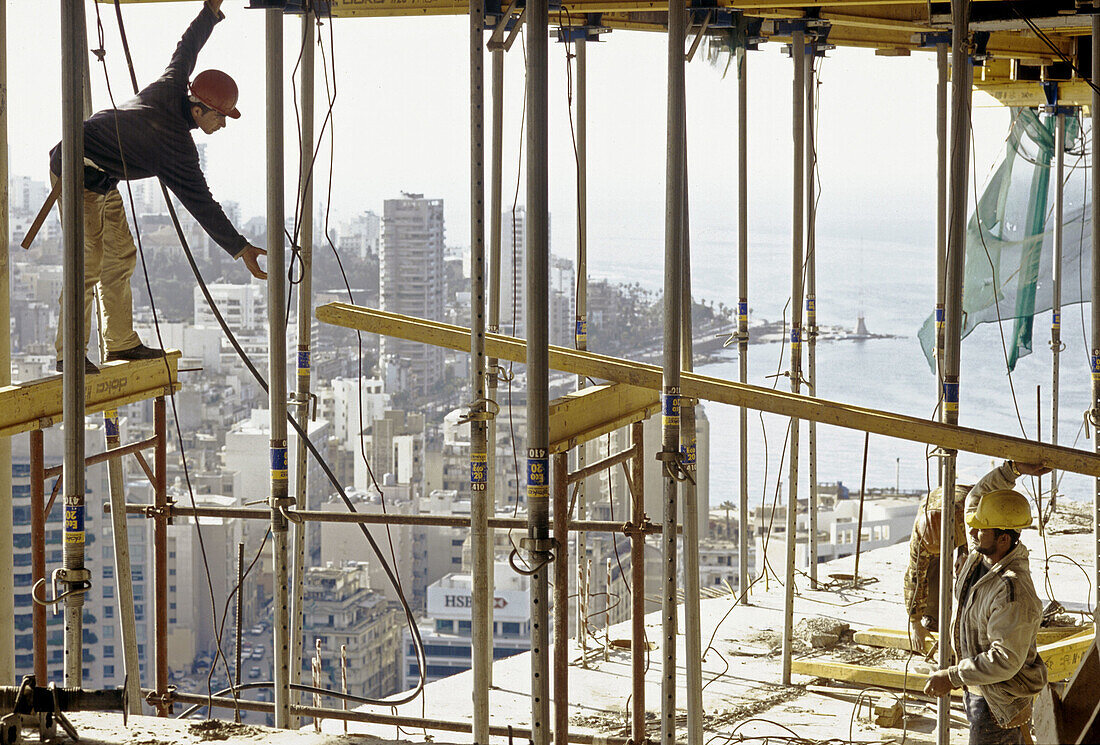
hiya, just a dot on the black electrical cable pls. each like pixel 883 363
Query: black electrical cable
pixel 390 574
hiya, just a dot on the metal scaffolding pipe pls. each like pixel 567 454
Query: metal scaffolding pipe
pixel 580 334
pixel 743 317
pixel 1094 214
pixel 1056 290
pixel 160 556
pixel 798 53
pixel 638 652
pixel 670 430
pixel 305 341
pixel 693 647
pixel 941 221
pixel 811 308
pixel 38 552
pixel 73 342
pixel 560 486
pixel 7 548
pixel 493 322
pixel 276 288
pixel 538 541
pixel 450 521
pixel 481 633
pixel 124 583
pixel 956 254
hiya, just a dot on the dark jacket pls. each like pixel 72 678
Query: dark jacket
pixel 154 131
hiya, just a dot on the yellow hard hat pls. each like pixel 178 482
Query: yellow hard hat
pixel 1004 509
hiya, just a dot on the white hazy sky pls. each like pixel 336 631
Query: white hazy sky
pixel 401 121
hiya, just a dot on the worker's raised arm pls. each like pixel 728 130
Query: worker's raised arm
pixel 187 51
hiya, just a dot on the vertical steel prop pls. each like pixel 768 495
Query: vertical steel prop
pixel 1094 214
pixel 798 53
pixel 941 222
pixel 811 306
pixel 580 334
pixel 481 642
pixel 75 576
pixel 693 647
pixel 538 542
pixel 670 421
pixel 38 550
pixel 956 254
pixel 743 533
pixel 637 585
pixel 160 556
pixel 304 362
pixel 560 486
pixel 276 301
pixel 7 547
pixel 493 323
pixel 124 584
pixel 1056 290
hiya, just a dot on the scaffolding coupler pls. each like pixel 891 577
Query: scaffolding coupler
pixel 44 707
pixel 673 464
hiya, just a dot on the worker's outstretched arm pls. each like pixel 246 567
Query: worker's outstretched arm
pixel 194 38
pixel 250 256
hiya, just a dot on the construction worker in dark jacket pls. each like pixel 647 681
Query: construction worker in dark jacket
pixel 150 135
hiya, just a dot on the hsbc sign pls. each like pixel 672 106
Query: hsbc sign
pixel 450 602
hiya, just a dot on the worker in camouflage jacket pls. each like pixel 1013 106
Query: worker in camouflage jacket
pixel 150 135
pixel 922 575
pixel 996 615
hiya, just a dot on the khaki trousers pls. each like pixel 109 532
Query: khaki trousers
pixel 109 260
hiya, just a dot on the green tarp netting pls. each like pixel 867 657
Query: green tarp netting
pixel 1010 237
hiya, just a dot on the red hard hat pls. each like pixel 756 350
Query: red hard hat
pixel 218 91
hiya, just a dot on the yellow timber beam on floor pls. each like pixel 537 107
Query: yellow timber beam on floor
pixel 899 638
pixel 882 677
pixel 37 403
pixel 692 385
pixel 592 412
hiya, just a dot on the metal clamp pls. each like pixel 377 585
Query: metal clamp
pixel 83 577
pixel 1091 421
pixel 673 465
pixel 285 507
pixel 501 372
pixel 1061 345
pixel 539 548
pixel 476 414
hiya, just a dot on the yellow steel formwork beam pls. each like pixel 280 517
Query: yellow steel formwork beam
pixel 592 412
pixel 37 403
pixel 707 388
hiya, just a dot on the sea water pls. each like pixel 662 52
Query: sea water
pixel 892 285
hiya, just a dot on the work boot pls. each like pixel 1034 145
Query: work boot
pixel 89 367
pixel 930 622
pixel 140 352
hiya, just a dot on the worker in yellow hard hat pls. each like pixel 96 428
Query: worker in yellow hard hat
pixel 996 616
pixel 150 135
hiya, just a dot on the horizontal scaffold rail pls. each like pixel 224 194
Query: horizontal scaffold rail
pixel 37 403
pixel 717 390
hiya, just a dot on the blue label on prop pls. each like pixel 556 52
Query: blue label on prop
pixel 538 475
pixel 278 463
pixel 796 336
pixel 110 423
pixel 74 523
pixel 1096 365
pixel 743 309
pixel 670 408
pixel 303 360
pixel 951 396
pixel 687 450
pixel 939 316
pixel 582 330
pixel 479 476
pixel 1056 320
